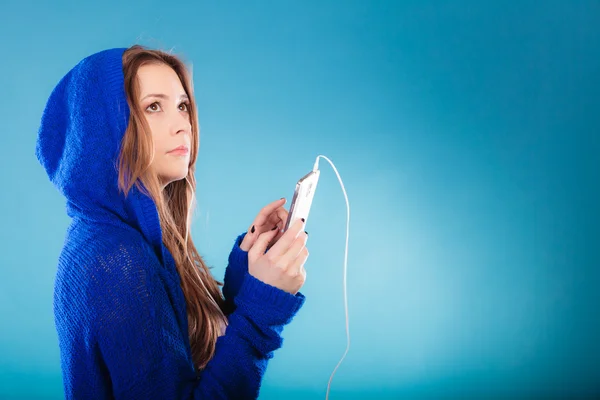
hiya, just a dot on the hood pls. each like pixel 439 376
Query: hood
pixel 78 143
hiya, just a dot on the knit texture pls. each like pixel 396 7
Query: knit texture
pixel 119 309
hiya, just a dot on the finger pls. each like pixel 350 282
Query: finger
pixel 287 239
pixel 255 230
pixel 298 263
pixel 278 217
pixel 260 245
pixel 279 235
pixel 292 253
pixel 282 213
pixel 281 219
pixel 266 211
pixel 274 222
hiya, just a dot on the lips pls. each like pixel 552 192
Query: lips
pixel 180 150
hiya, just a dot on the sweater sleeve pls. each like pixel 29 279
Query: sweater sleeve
pixel 237 267
pixel 144 350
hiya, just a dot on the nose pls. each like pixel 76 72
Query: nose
pixel 180 123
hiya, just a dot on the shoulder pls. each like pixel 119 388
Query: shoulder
pixel 92 242
pixel 111 269
pixel 96 256
pixel 100 268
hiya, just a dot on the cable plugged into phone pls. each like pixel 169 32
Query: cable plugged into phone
pixel 316 166
pixel 300 209
pixel 316 169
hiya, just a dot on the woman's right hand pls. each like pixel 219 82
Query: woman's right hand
pixel 283 265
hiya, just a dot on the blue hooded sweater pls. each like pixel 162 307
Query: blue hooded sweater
pixel 119 309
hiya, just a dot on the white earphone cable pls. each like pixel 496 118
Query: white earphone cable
pixel 316 167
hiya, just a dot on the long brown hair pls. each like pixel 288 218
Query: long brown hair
pixel 174 204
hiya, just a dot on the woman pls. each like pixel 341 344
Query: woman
pixel 137 311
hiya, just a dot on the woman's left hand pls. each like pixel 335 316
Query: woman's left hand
pixel 270 216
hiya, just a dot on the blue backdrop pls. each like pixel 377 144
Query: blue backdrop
pixel 466 134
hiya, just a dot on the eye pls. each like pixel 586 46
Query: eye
pixel 154 107
pixel 184 106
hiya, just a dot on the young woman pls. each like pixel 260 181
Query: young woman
pixel 137 311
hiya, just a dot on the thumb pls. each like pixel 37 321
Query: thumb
pixel 261 243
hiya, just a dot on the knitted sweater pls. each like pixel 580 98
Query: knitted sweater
pixel 119 308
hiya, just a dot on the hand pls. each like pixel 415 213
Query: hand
pixel 271 215
pixel 283 265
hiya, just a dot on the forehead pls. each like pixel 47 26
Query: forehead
pixel 158 78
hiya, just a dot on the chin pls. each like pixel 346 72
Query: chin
pixel 174 176
pixel 180 176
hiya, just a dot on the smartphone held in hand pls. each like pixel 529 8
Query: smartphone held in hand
pixel 303 197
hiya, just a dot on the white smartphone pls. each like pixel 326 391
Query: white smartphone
pixel 303 197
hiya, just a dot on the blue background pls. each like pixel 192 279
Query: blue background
pixel 466 134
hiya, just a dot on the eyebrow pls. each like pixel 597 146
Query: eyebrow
pixel 164 96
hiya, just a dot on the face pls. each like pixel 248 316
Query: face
pixel 166 108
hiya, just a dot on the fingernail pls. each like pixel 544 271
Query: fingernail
pixel 252 230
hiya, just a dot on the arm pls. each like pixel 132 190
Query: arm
pixel 144 350
pixel 237 267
